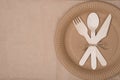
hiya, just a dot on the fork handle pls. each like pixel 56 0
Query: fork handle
pixel 88 39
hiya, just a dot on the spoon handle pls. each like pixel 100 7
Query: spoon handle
pixel 92 34
pixel 93 59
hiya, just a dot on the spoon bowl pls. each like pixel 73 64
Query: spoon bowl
pixel 92 21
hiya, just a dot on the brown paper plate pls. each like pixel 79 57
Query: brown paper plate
pixel 70 46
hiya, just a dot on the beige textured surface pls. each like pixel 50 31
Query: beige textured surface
pixel 27 29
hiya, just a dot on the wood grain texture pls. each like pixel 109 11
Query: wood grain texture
pixel 27 29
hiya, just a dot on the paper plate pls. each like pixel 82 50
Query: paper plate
pixel 70 46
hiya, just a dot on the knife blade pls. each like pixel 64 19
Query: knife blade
pixel 102 33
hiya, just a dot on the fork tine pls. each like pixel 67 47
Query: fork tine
pixel 74 22
pixel 79 19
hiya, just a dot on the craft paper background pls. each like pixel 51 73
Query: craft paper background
pixel 27 29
